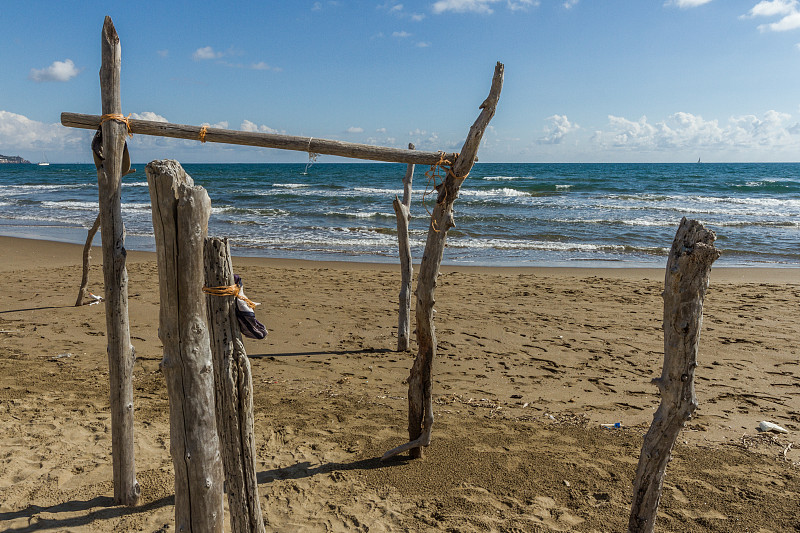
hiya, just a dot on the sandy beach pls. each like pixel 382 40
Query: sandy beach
pixel 531 364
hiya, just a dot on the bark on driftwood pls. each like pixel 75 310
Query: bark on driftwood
pixel 233 385
pixel 686 281
pixel 403 212
pixel 312 145
pixel 121 355
pixel 420 401
pixel 180 223
pixel 87 256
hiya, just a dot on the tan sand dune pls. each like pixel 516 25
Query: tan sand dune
pixel 531 363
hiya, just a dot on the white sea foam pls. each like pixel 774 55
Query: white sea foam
pixel 379 191
pixel 17 189
pixel 360 214
pixel 290 185
pixel 492 193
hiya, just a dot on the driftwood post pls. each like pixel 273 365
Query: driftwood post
pixel 121 354
pixel 420 401
pixel 87 251
pixel 180 224
pixel 685 284
pixel 403 212
pixel 233 386
pixel 266 140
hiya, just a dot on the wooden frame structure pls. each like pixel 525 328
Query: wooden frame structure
pixel 686 282
pixel 115 127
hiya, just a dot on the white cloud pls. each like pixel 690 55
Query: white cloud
pixel 522 5
pixel 422 44
pixel 222 125
pixel 559 126
pixel 464 6
pixel 569 4
pixel 480 6
pixel 684 4
pixel 317 6
pixel 385 141
pixel 162 53
pixel 260 66
pixel 58 71
pixel 19 133
pixel 789 22
pixel 416 17
pixel 401 34
pixel 772 8
pixel 255 128
pixel 148 115
pixel 354 129
pixel 206 52
pixel 380 130
pixel 788 10
pixel 685 130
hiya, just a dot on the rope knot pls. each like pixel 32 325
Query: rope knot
pixel 230 290
pixel 119 117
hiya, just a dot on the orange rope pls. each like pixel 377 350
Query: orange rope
pixel 230 290
pixel 119 118
pixel 203 131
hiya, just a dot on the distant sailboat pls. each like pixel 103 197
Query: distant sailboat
pixel 698 159
pixel 44 163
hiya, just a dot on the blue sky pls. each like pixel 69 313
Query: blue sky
pixel 585 80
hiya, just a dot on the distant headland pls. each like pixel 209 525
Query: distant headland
pixel 13 159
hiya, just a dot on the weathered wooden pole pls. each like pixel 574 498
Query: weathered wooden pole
pixel 233 386
pixel 420 401
pixel 180 224
pixel 121 354
pixel 87 255
pixel 403 212
pixel 266 140
pixel 685 284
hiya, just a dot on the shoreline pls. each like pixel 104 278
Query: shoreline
pixel 26 251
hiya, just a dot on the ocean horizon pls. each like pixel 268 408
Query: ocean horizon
pixel 507 214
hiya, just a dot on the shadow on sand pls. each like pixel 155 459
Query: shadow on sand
pixel 99 508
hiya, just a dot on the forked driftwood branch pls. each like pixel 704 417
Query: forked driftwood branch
pixel 420 401
pixel 87 256
pixel 402 210
pixel 264 140
pixel 685 284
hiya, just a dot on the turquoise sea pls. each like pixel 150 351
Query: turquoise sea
pixel 506 214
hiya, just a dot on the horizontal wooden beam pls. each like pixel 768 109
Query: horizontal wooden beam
pixel 266 140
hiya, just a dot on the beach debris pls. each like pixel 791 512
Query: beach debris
pixel 95 299
pixel 612 426
pixel 61 356
pixel 769 426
